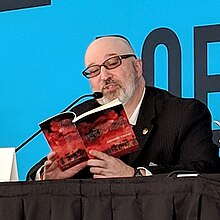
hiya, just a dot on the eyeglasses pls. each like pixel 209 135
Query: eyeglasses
pixel 110 63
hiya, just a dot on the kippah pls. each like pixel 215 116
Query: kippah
pixel 114 35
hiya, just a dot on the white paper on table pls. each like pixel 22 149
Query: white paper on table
pixel 8 165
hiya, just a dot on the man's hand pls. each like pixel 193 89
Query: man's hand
pixel 52 171
pixel 105 166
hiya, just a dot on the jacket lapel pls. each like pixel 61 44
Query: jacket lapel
pixel 144 124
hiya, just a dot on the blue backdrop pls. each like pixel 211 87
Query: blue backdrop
pixel 42 55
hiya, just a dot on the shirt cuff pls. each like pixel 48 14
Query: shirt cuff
pixel 146 171
pixel 39 173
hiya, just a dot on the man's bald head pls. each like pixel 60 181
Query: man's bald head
pixel 103 47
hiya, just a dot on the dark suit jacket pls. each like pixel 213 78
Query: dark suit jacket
pixel 179 135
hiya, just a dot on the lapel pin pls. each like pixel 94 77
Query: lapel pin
pixel 145 131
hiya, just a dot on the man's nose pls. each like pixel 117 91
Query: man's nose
pixel 105 73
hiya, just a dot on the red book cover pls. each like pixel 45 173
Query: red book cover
pixel 105 129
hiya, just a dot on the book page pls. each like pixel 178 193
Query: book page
pixel 100 108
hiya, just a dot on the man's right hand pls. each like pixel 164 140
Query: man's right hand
pixel 52 171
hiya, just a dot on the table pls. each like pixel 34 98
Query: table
pixel 158 197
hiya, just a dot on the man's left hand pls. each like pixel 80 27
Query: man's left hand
pixel 105 166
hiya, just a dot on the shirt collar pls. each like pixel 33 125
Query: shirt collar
pixel 134 116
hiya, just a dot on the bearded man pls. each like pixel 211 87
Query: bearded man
pixel 173 133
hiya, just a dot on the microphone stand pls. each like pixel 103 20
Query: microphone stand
pixel 64 110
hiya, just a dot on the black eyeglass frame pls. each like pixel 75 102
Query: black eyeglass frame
pixel 124 56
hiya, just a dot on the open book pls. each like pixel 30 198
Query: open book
pixel 105 128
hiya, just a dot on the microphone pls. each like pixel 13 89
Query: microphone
pixel 95 95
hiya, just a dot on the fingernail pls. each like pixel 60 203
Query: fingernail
pixel 90 152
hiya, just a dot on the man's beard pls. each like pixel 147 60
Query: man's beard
pixel 123 91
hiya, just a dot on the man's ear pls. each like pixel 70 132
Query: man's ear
pixel 138 66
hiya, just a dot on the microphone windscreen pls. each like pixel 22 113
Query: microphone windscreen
pixel 97 95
